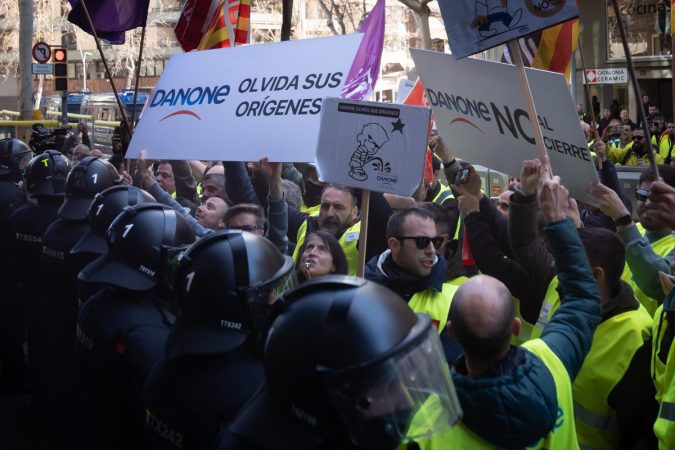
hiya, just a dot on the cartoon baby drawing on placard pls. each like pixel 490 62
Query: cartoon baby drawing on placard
pixel 371 139
pixel 491 12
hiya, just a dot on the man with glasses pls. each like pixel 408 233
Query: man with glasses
pixel 412 268
pixel 657 233
pixel 634 153
pixel 246 217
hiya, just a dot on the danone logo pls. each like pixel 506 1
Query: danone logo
pixel 191 96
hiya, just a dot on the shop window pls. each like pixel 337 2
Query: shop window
pixel 647 26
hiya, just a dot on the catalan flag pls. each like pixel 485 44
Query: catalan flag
pixel 550 49
pixel 672 14
pixel 229 25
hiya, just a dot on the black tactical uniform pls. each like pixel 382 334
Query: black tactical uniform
pixel 348 365
pixel 45 182
pixel 122 330
pixel 58 271
pixel 210 367
pixel 14 155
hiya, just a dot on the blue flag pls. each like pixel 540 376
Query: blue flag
pixel 111 18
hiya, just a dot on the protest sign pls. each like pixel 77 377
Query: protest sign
pixel 375 146
pixel 481 116
pixel 404 88
pixel 242 103
pixel 476 25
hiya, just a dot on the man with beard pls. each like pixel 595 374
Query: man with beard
pixel 634 153
pixel 338 215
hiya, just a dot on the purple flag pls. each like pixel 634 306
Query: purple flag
pixel 366 66
pixel 111 18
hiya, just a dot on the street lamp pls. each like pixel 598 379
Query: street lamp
pixel 84 70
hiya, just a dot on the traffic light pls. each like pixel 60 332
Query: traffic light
pixel 60 60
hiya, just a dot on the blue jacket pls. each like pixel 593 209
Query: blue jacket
pixel 515 404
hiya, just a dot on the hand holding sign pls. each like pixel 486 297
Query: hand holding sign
pixel 466 201
pixel 272 173
pixel 553 200
pixel 530 176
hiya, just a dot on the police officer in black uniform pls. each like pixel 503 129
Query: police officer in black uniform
pixel 105 207
pixel 45 183
pixel 210 366
pixel 14 155
pixel 122 329
pixel 348 365
pixel 58 274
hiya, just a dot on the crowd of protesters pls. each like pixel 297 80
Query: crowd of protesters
pixel 624 141
pixel 207 304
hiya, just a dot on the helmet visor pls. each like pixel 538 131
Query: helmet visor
pixel 405 397
pixel 285 279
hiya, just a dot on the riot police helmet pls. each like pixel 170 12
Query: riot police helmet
pixel 224 284
pixel 14 154
pixel 107 205
pixel 349 359
pixel 144 242
pixel 46 174
pixel 89 177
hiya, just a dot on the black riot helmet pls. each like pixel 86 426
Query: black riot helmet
pixel 89 177
pixel 144 242
pixel 349 360
pixel 14 153
pixel 225 284
pixel 46 174
pixel 107 205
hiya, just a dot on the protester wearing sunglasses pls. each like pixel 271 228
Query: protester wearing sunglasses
pixel 412 268
pixel 634 153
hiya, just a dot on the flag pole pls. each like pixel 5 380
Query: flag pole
pixel 138 77
pixel 587 89
pixel 105 64
pixel 636 89
pixel 517 57
pixel 363 232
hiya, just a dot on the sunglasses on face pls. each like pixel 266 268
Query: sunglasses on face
pixel 422 242
pixel 638 138
pixel 249 228
pixel 642 194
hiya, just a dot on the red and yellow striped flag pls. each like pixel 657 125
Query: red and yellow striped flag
pixel 550 49
pixel 228 27
pixel 556 47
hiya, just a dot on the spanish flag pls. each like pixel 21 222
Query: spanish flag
pixel 229 25
pixel 550 49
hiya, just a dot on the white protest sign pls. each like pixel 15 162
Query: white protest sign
pixel 404 88
pixel 481 115
pixel 242 103
pixel 375 146
pixel 476 25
